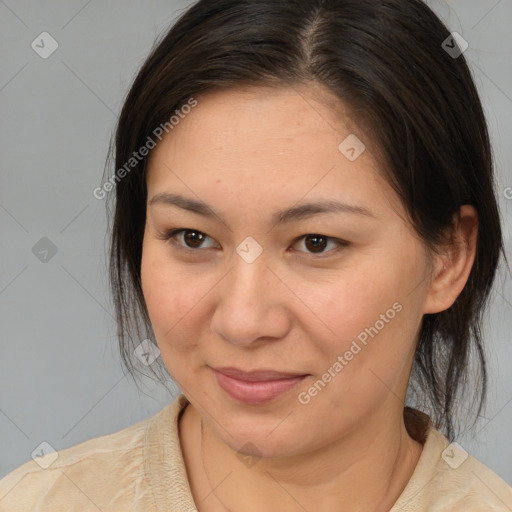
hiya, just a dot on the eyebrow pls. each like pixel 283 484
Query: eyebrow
pixel 291 214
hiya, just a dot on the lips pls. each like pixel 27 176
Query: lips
pixel 256 375
pixel 256 386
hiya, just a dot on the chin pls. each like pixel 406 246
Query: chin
pixel 257 437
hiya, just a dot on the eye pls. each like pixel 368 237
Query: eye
pixel 317 243
pixel 191 239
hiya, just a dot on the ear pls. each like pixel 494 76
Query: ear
pixel 452 266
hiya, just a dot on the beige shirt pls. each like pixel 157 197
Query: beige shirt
pixel 141 469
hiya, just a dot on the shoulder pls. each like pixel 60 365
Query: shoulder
pixel 86 476
pixel 463 481
pixel 447 478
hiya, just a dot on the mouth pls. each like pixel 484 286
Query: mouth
pixel 256 387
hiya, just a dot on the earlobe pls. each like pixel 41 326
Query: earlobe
pixel 453 264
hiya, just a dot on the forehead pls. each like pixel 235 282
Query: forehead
pixel 277 110
pixel 266 141
pixel 246 125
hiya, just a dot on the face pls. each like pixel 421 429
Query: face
pixel 334 298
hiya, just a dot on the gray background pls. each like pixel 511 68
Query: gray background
pixel 60 375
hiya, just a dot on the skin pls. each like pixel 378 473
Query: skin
pixel 249 152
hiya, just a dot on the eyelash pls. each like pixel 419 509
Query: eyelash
pixel 169 236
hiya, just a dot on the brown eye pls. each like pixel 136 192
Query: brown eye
pixel 316 244
pixel 187 238
pixel 193 239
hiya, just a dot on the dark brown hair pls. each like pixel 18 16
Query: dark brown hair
pixel 383 59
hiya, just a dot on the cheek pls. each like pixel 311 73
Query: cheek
pixel 173 296
pixel 167 293
pixel 370 318
pixel 347 304
pixel 365 364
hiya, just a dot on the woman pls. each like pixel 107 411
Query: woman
pixel 305 219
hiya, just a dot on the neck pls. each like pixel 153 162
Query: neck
pixel 367 469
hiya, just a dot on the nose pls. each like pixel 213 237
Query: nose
pixel 251 306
